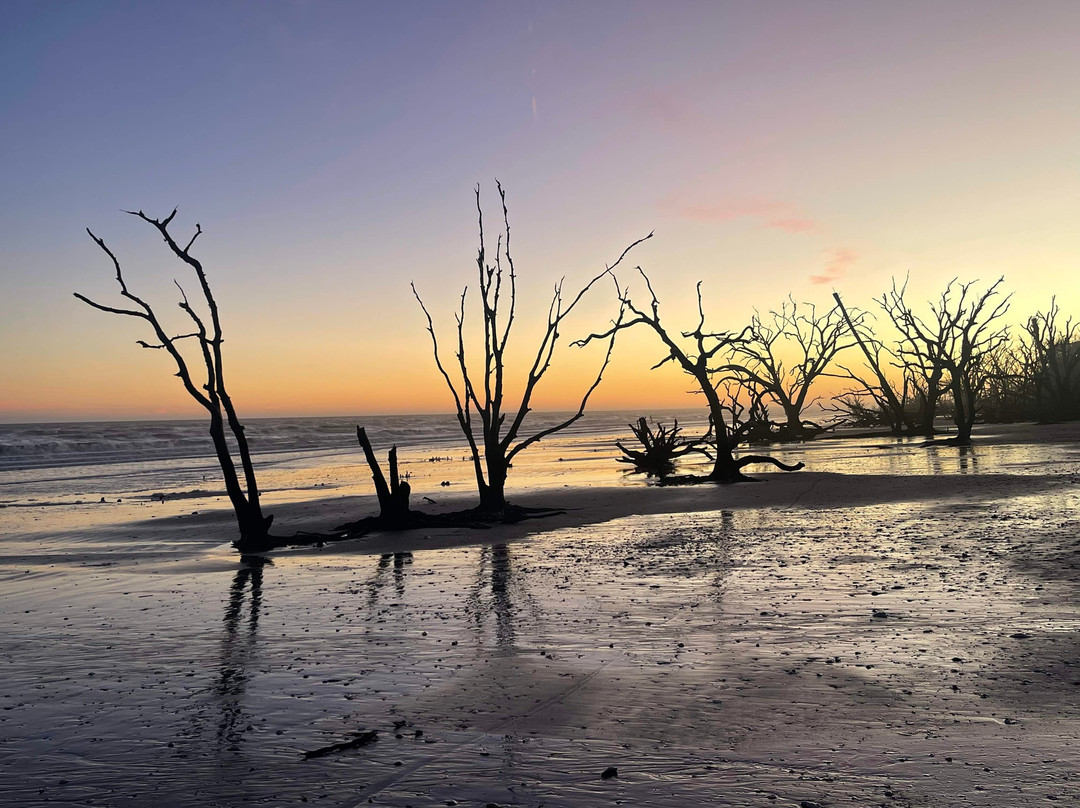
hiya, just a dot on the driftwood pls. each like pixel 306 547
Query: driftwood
pixel 660 449
pixel 740 463
pixel 393 498
pixel 395 513
pixel 362 739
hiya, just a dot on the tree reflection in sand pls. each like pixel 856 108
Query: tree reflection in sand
pixel 967 460
pixel 378 580
pixel 238 647
pixel 498 593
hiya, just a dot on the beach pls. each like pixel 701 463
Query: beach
pixel 895 625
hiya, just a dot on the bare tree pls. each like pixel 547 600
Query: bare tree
pixel 210 391
pixel 494 430
pixel 1054 350
pixel 814 340
pixel 919 351
pixel 869 403
pixel 1007 395
pixel 891 405
pixel 954 344
pixel 726 436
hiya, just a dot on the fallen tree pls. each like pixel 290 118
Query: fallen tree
pixel 889 406
pixel 660 448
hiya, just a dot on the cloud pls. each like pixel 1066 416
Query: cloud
pixel 839 261
pixel 794 224
pixel 768 213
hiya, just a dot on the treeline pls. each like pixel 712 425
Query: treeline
pixel 959 358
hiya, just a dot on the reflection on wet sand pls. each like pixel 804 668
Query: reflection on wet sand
pixel 952 460
pixel 237 649
pixel 495 577
pixel 725 538
pixel 500 597
pixel 967 460
pixel 378 580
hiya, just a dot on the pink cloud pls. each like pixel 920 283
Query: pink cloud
pixel 768 213
pixel 837 264
pixel 794 225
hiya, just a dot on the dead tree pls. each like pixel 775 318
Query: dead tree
pixel 957 341
pixel 758 361
pixel 1053 348
pixel 393 496
pixel 394 512
pixel 975 334
pixel 210 392
pixel 892 406
pixel 1007 395
pixel 919 351
pixel 660 448
pixel 726 467
pixel 493 428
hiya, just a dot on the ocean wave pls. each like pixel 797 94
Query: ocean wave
pixel 36 446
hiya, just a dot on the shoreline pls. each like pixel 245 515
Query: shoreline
pixel 209 532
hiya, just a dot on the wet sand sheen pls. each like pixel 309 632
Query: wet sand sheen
pixel 813 639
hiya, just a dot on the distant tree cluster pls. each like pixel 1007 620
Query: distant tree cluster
pixel 959 358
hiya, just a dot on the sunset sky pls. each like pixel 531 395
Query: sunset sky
pixel 329 151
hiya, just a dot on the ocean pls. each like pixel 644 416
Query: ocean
pixel 73 463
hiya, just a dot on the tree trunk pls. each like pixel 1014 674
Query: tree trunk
pixel 393 498
pixel 493 491
pixel 254 527
pixel 964 415
pixel 930 406
pixel 725 467
pixel 794 419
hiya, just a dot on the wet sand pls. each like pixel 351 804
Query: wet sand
pixel 824 638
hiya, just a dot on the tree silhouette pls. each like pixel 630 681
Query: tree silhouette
pixel 888 406
pixel 210 391
pixel 660 448
pixel 919 350
pixel 696 363
pixel 1053 345
pixel 494 429
pixel 952 347
pixel 814 340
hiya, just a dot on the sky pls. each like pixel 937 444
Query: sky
pixel 329 151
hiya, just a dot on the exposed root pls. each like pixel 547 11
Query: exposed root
pixel 477 518
pixel 748 460
pixel 732 476
pixel 947 442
